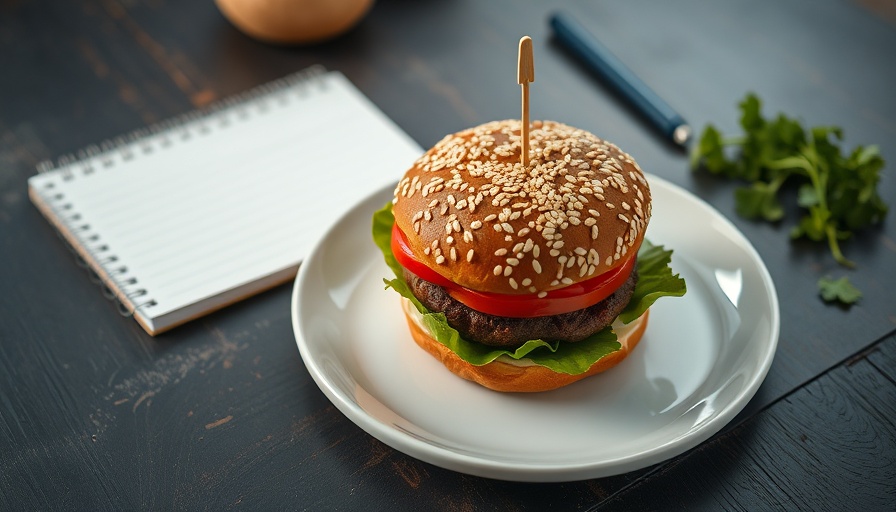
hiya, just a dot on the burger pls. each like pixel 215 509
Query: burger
pixel 524 277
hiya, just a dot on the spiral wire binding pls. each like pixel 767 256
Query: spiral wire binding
pixel 95 158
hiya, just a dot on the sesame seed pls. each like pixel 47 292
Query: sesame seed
pixel 501 252
pixel 470 255
pixel 498 270
pixel 507 270
pixel 440 259
pixel 593 256
pixel 536 266
pixel 513 261
pixel 513 283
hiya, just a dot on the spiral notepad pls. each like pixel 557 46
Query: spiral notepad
pixel 197 213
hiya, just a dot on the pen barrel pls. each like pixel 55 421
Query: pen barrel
pixel 571 34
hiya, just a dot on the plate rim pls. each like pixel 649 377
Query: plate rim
pixel 545 471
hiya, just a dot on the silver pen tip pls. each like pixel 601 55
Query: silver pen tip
pixel 681 134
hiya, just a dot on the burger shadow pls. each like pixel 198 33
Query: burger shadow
pixel 626 388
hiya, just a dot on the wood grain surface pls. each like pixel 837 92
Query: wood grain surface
pixel 222 414
pixel 825 441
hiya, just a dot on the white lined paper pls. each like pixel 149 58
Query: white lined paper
pixel 231 209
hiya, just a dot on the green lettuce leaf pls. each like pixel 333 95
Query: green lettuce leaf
pixel 655 280
pixel 383 220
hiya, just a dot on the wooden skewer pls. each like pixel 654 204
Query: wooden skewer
pixel 525 74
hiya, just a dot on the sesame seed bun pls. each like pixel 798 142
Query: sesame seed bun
pixel 509 376
pixel 475 215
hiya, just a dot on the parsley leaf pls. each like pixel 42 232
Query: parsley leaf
pixel 838 290
pixel 837 192
pixel 759 201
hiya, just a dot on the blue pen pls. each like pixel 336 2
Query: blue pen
pixel 576 38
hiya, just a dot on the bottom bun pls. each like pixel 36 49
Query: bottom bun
pixel 518 376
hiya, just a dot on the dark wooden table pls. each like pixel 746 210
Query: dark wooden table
pixel 221 413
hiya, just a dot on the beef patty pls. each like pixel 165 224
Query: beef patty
pixel 500 331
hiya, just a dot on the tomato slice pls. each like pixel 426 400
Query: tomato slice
pixel 405 256
pixel 563 300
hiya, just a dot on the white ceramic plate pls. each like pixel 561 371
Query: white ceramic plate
pixel 701 360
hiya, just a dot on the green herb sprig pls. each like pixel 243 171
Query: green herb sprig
pixel 837 191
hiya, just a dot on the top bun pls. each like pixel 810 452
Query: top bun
pixel 475 215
